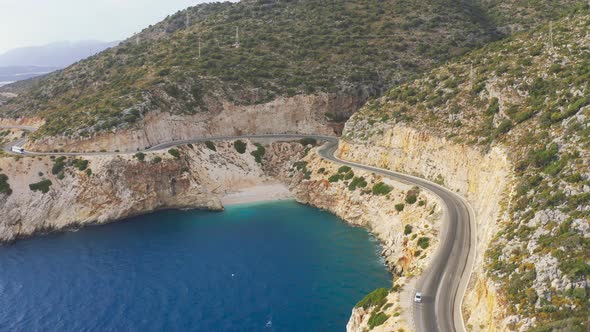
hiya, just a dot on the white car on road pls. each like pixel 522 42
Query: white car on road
pixel 418 297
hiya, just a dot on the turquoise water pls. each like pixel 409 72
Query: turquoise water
pixel 270 267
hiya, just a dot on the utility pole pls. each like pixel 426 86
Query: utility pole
pixel 551 34
pixel 237 44
pixel 471 76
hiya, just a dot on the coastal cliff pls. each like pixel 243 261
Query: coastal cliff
pixel 49 194
pixel 484 179
pixel 303 114
pixel 405 219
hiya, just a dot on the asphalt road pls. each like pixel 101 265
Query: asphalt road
pixel 444 282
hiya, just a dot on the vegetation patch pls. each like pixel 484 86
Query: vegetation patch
pixel 377 319
pixel 210 145
pixel 4 185
pixel 376 298
pixel 139 156
pixel 42 186
pixel 259 153
pixel 174 153
pixel 423 242
pixel 381 189
pixel 240 146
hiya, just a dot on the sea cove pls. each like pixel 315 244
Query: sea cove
pixel 274 266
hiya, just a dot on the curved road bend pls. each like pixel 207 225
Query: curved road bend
pixel 443 284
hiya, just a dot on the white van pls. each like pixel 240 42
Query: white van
pixel 17 149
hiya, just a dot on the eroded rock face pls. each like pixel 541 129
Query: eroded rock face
pixel 397 224
pixel 484 179
pixel 123 186
pixel 299 114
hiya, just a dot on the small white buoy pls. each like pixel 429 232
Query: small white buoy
pixel 232 275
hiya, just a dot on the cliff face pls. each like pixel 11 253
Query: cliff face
pixel 404 219
pixel 305 114
pixel 115 187
pixel 484 179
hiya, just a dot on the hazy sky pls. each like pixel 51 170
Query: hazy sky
pixel 39 22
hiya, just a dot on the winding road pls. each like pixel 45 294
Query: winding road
pixel 444 282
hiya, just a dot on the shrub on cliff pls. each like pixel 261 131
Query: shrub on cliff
pixel 80 164
pixel 156 160
pixel 399 207
pixel 140 156
pixel 174 153
pixel 377 319
pixel 381 189
pixel 375 298
pixel 210 145
pixel 335 178
pixel 344 169
pixel 411 199
pixel 308 141
pixel 240 146
pixel 42 186
pixel 58 165
pixel 259 153
pixel 423 242
pixel 408 229
pixel 357 182
pixel 4 186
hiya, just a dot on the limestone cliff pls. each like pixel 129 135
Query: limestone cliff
pixel 111 188
pixel 484 179
pixel 304 114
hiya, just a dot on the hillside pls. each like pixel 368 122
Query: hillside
pixel 528 95
pixel 352 48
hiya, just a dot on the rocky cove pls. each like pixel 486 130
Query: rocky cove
pixel 123 186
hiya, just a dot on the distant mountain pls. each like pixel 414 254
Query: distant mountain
pixel 57 55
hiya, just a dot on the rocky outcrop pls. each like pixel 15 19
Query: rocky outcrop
pixel 304 114
pixel 115 187
pixel 484 179
pixel 398 222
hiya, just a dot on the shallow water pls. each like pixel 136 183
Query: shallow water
pixel 267 267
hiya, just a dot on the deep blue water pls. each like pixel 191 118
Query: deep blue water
pixel 270 267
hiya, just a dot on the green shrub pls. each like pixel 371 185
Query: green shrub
pixel 88 172
pixel 381 189
pixel 58 165
pixel 139 156
pixel 210 145
pixel 259 153
pixel 240 146
pixel 335 178
pixel 400 207
pixel 408 229
pixel 308 141
pixel 344 169
pixel 156 160
pixel 411 199
pixel 349 175
pixel 357 182
pixel 423 242
pixel 4 185
pixel 494 107
pixel 377 319
pixel 42 186
pixel 375 298
pixel 81 164
pixel 174 153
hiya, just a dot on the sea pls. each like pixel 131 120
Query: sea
pixel 277 266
